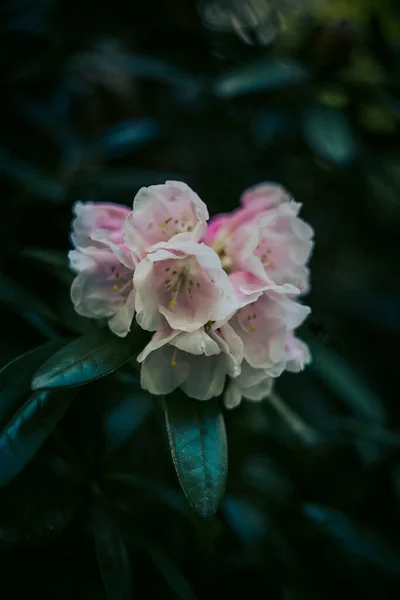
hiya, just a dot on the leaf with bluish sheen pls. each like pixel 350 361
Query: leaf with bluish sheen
pixel 88 358
pixel 336 372
pixel 15 377
pixel 259 76
pixel 112 555
pixel 328 132
pixel 29 428
pixel 19 299
pixel 129 135
pixel 197 439
pixel 123 419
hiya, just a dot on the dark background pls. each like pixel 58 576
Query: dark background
pixel 98 99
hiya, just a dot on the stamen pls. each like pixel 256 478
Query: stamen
pixel 115 288
pixel 253 328
pixel 173 361
pixel 173 303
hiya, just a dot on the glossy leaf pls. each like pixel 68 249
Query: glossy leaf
pixel 29 428
pixel 112 555
pixel 336 372
pixel 15 377
pixel 88 358
pixel 197 439
pixel 259 76
pixel 328 132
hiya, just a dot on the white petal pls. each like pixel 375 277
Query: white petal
pixel 198 342
pixel 159 339
pixel 206 378
pixel 121 322
pixel 164 370
pixel 233 395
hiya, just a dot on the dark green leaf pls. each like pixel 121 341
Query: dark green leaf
pixel 53 261
pixel 26 175
pixel 15 378
pixel 296 423
pixel 129 135
pixel 125 416
pixel 357 539
pixel 340 376
pixel 18 298
pixel 169 570
pixel 328 132
pixel 112 554
pixel 151 488
pixel 29 428
pixel 90 357
pixel 260 75
pixel 197 439
pixel 35 507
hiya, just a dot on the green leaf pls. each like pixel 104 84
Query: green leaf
pixel 328 132
pixel 197 439
pixel 19 299
pixel 90 357
pixel 168 569
pixel 15 377
pixel 299 427
pixel 336 372
pixel 112 554
pixel 356 538
pixel 53 261
pixel 29 428
pixel 259 75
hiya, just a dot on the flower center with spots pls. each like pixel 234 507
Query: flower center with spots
pixel 179 283
pixel 120 279
pixel 183 223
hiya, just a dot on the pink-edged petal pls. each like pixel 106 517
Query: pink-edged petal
pixel 161 212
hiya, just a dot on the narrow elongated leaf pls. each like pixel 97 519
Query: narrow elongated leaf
pixel 129 135
pixel 328 132
pixel 20 299
pixel 260 75
pixel 356 538
pixel 112 555
pixel 169 570
pixel 339 375
pixel 15 377
pixel 53 261
pixel 29 428
pixel 197 439
pixel 88 358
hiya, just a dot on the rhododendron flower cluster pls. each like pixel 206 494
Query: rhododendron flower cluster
pixel 221 296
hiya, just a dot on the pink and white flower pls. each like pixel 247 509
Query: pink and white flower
pixel 255 384
pixel 263 327
pixel 197 362
pixel 162 212
pixel 183 282
pixel 265 238
pixel 103 287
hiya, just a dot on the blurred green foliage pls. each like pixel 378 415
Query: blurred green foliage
pixel 99 99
